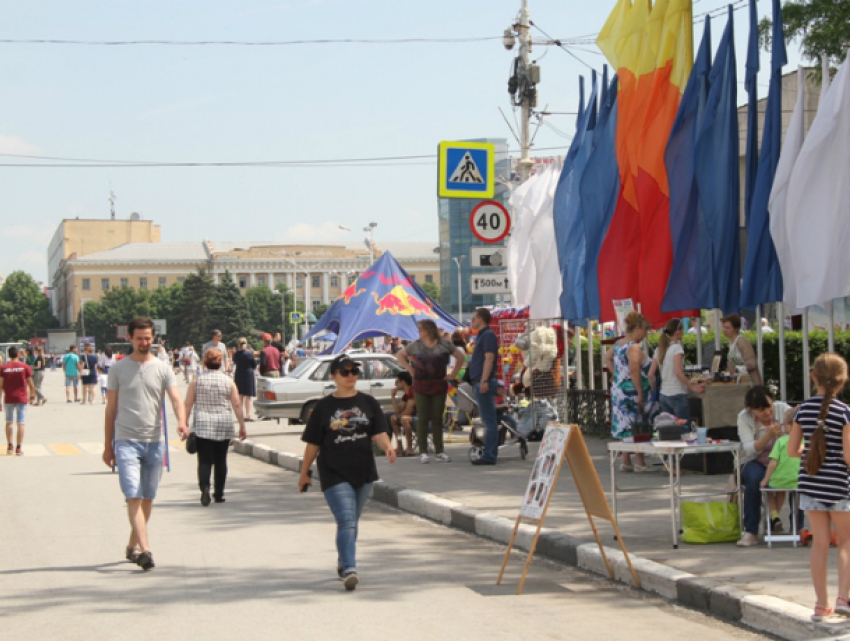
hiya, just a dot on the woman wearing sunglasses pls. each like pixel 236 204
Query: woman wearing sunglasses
pixel 340 431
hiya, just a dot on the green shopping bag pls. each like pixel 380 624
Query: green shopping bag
pixel 715 522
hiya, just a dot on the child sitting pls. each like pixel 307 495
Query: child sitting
pixel 782 472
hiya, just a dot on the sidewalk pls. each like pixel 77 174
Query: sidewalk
pixel 644 521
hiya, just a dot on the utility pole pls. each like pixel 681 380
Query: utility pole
pixel 522 84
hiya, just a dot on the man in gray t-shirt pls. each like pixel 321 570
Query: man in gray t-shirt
pixel 216 343
pixel 136 391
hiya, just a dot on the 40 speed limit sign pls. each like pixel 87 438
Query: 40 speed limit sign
pixel 490 221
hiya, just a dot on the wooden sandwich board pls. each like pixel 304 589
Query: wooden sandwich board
pixel 564 443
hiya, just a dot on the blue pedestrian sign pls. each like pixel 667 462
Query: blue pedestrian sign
pixel 296 318
pixel 467 170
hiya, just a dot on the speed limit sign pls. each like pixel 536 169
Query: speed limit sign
pixel 490 221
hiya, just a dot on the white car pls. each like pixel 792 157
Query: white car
pixel 294 396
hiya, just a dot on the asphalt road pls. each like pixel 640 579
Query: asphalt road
pixel 262 564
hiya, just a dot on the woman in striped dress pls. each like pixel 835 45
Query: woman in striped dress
pixel 214 397
pixel 824 423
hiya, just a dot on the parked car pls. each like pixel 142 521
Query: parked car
pixel 294 396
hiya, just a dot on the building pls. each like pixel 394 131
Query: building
pixel 456 239
pixel 316 273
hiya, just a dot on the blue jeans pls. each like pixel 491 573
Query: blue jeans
pixel 487 409
pixel 751 477
pixel 677 405
pixel 346 503
pixel 139 468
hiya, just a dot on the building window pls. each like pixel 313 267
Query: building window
pixel 299 281
pixel 181 279
pixel 278 280
pixel 315 281
pixel 429 278
pixel 352 278
pixel 334 281
pixel 104 284
pixel 161 281
pixel 86 284
pixel 125 282
pixel 243 282
pixel 316 304
pixel 143 283
pixel 261 281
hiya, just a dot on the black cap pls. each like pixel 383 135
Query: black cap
pixel 344 360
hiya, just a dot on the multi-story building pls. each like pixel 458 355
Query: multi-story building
pixel 456 239
pixel 316 273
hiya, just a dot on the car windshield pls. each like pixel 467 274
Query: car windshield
pixel 303 366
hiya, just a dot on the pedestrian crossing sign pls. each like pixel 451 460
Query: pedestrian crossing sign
pixel 296 318
pixel 467 170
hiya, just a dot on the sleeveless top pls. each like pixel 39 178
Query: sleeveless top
pixel 830 484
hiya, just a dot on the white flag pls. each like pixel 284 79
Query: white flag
pixel 819 200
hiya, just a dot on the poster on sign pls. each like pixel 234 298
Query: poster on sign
pixel 623 308
pixel 543 474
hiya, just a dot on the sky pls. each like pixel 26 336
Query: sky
pixel 225 104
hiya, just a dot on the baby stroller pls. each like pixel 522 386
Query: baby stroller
pixel 508 435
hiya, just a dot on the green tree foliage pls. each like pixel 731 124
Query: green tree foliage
pixel 117 307
pixel 191 319
pixel 23 308
pixel 822 27
pixel 228 311
pixel 166 302
pixel 320 311
pixel 433 291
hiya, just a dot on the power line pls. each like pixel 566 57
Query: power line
pixel 245 43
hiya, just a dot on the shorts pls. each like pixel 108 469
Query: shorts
pixel 16 408
pixel 139 468
pixel 71 381
pixel 810 504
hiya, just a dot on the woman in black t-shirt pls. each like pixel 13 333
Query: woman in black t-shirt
pixel 340 431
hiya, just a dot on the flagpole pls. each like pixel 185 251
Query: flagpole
pixel 807 381
pixel 783 391
pixel 830 310
pixel 579 367
pixel 591 384
pixel 602 351
pixel 760 346
pixel 698 325
pixel 716 330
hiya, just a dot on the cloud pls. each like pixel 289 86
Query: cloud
pixel 29 233
pixel 18 146
pixel 316 234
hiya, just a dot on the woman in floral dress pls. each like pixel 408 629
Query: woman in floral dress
pixel 630 392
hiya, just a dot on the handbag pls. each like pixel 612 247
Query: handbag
pixel 713 522
pixel 192 443
pixel 86 371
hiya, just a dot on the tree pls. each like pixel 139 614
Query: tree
pixel 191 319
pixel 433 291
pixel 822 26
pixel 166 303
pixel 228 311
pixel 264 306
pixel 117 307
pixel 320 311
pixel 23 308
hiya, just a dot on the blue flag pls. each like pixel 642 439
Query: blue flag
pixel 569 225
pixel 751 84
pixel 717 173
pixel 691 284
pixel 600 185
pixel 762 274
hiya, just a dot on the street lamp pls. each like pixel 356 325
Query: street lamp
pixel 295 270
pixel 458 260
pixel 369 242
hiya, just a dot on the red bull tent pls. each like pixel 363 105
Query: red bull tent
pixel 383 301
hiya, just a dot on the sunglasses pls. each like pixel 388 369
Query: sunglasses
pixel 349 372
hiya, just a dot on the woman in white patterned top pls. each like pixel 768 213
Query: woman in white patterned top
pixel 214 398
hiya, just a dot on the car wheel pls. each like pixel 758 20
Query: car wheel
pixel 306 411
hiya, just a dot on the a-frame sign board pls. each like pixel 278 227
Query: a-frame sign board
pixel 564 443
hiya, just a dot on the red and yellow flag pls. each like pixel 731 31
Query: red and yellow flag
pixel 651 46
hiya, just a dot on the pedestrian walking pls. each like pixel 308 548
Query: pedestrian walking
pixel 15 382
pixel 106 360
pixel 214 398
pixel 244 375
pixel 88 373
pixel 482 375
pixel 823 423
pixel 216 343
pixel 70 364
pixel 427 360
pixel 340 431
pixel 38 368
pixel 137 387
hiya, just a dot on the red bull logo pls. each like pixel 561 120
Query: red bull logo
pixel 351 292
pixel 398 301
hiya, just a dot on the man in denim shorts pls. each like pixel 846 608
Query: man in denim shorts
pixel 135 392
pixel 70 365
pixel 15 381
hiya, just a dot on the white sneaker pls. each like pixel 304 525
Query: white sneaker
pixel 443 458
pixel 424 458
pixel 748 540
pixel 643 469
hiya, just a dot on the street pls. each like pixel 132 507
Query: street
pixel 263 563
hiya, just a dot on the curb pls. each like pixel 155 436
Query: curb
pixel 765 613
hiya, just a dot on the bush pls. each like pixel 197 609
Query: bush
pixel 770 342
